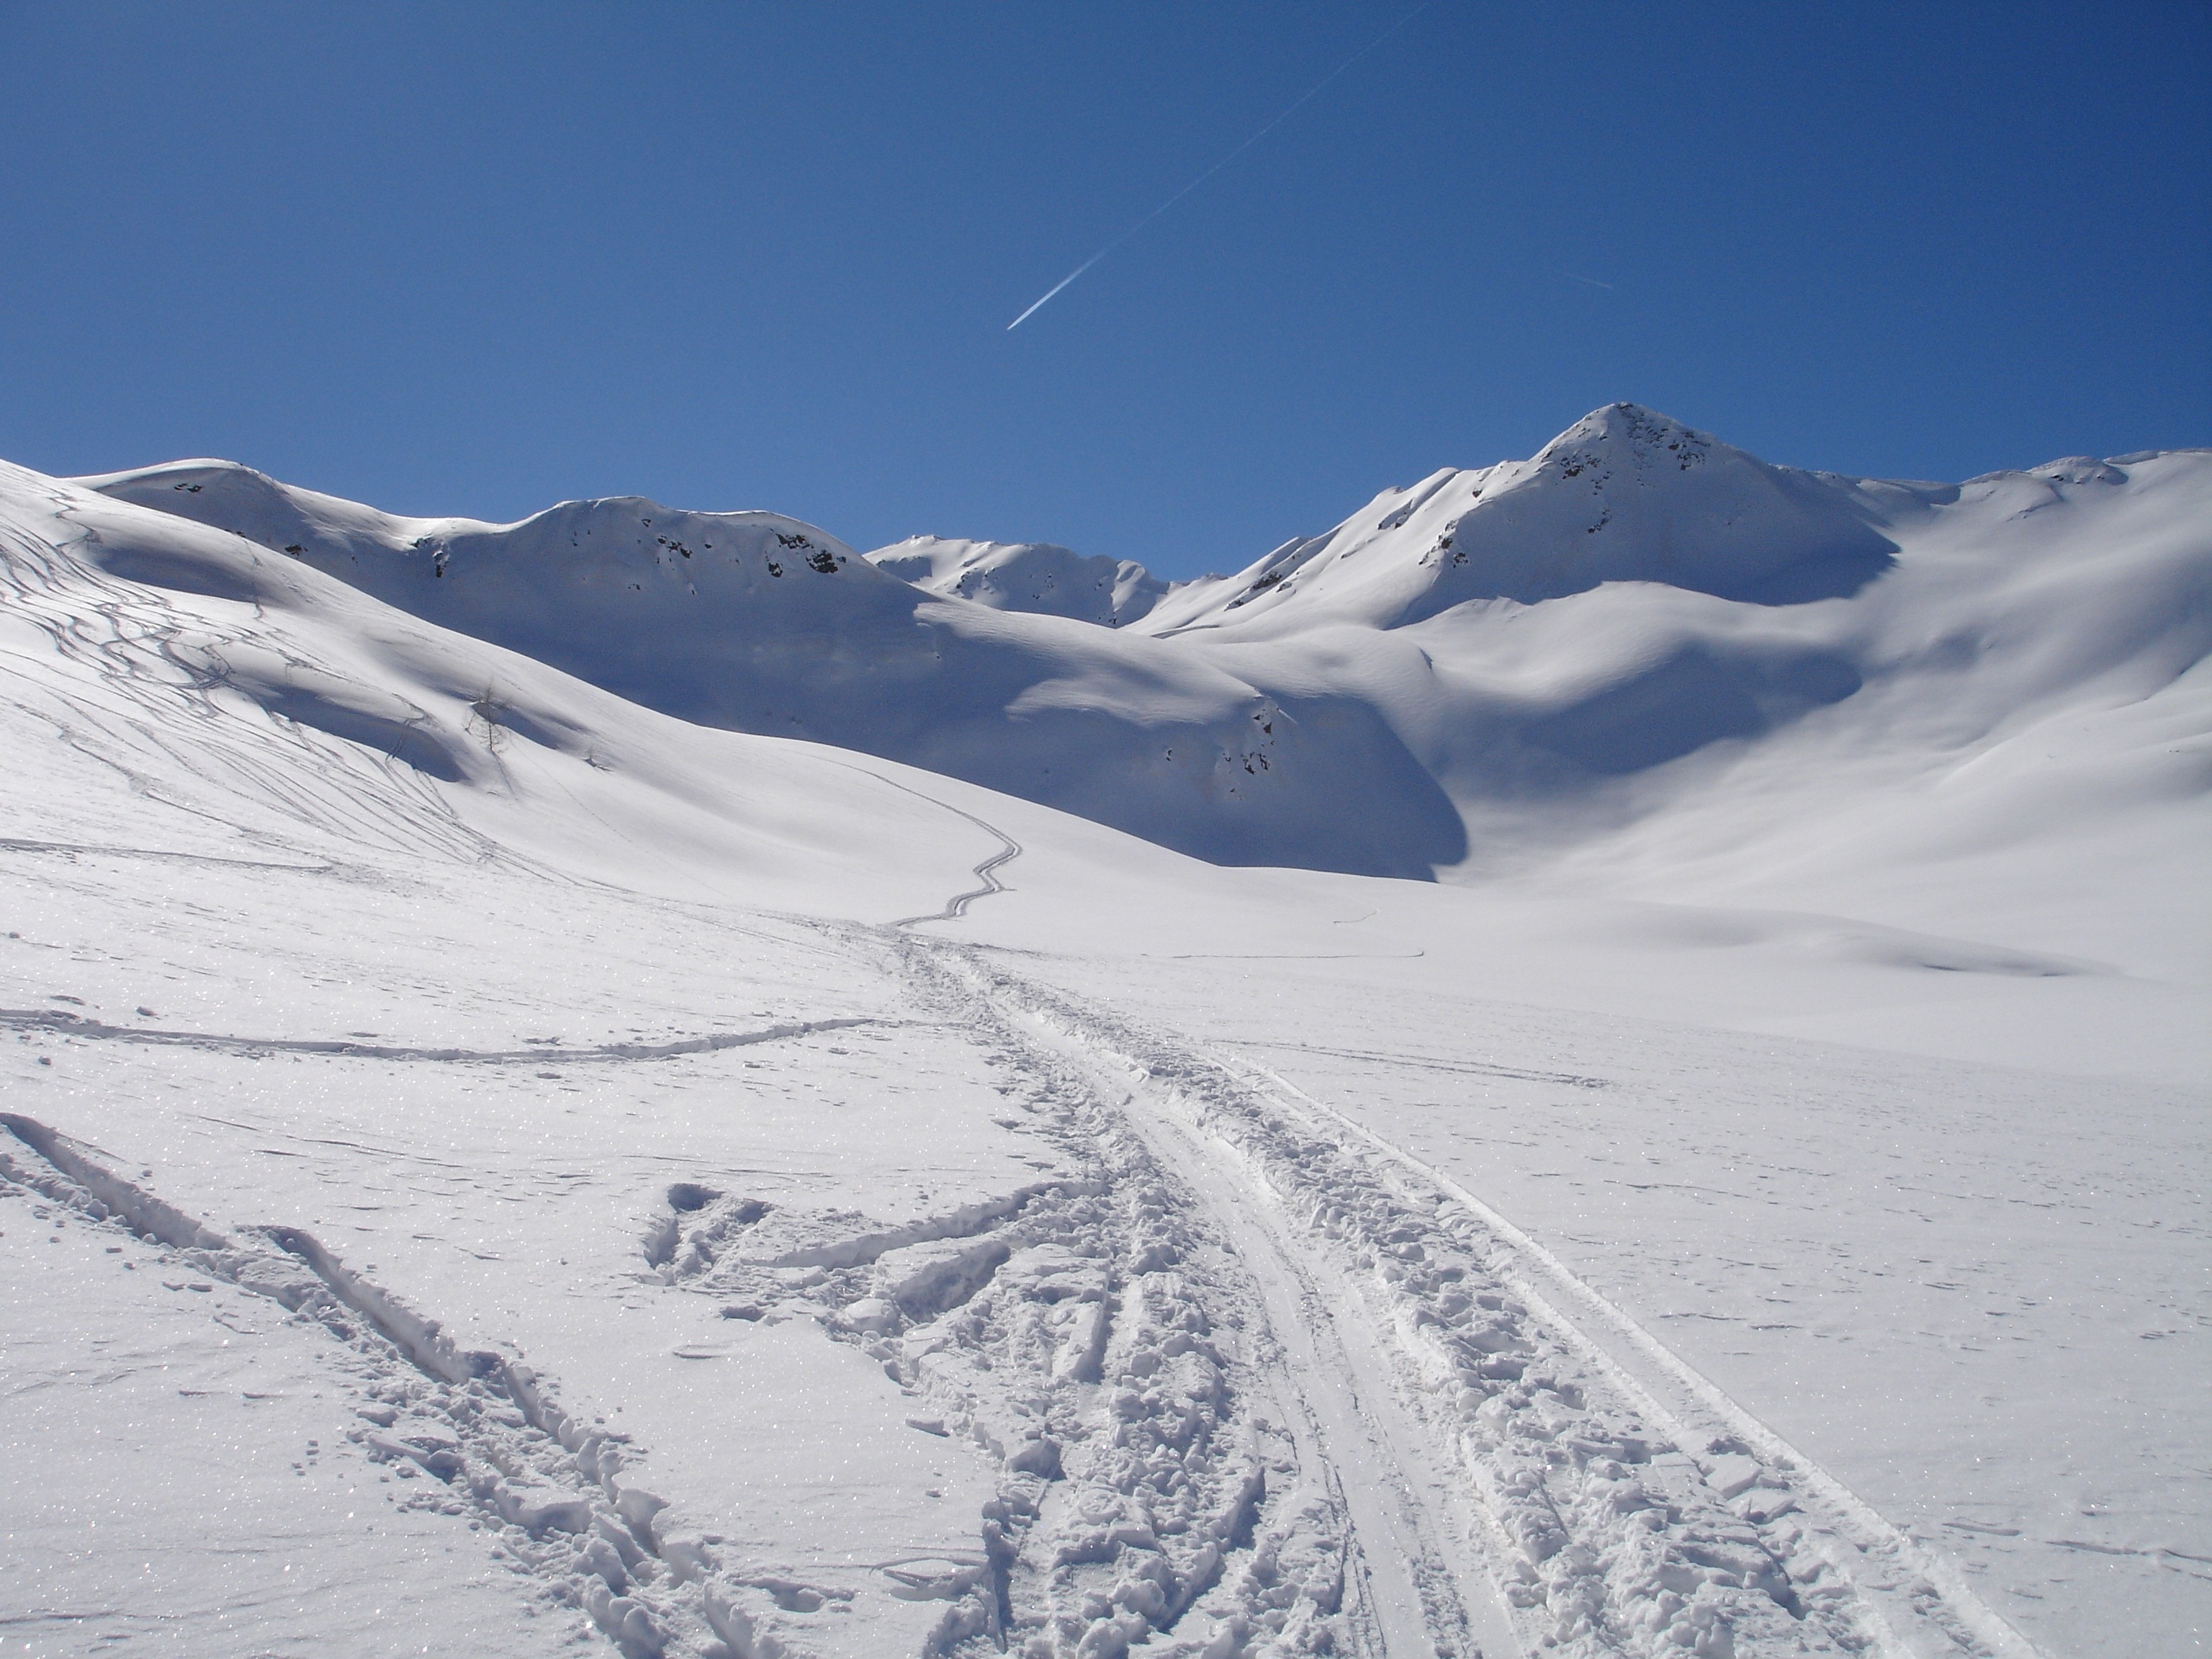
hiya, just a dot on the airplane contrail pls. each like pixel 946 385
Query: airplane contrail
pixel 1298 103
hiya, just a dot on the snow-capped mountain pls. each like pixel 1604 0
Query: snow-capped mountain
pixel 1038 577
pixel 1640 645
pixel 753 622
pixel 1622 496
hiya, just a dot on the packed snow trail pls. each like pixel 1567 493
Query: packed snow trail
pixel 1098 1340
pixel 1416 1594
pixel 1889 1563
pixel 1516 1450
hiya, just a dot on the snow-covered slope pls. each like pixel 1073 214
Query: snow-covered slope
pixel 1640 659
pixel 1999 721
pixel 1038 577
pixel 757 622
pixel 251 693
pixel 486 1169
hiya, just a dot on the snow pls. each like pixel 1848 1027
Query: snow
pixel 1578 665
pixel 642 1081
pixel 1038 577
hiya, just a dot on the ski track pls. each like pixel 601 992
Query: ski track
pixel 1613 1520
pixel 68 1025
pixel 1256 1381
pixel 73 849
pixel 985 871
pixel 1096 1338
pixel 160 668
pixel 483 1435
pixel 1886 1562
pixel 1477 1068
pixel 1414 1594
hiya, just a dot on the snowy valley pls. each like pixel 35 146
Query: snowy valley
pixel 1606 1058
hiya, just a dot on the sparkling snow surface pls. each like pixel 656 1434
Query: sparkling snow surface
pixel 492 1166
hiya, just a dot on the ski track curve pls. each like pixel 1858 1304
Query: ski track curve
pixel 986 871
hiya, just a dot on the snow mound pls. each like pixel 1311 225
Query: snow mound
pixel 1038 577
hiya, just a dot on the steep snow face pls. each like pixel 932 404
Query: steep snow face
pixel 1033 576
pixel 1624 494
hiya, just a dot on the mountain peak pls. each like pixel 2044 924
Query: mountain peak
pixel 1644 432
pixel 1624 494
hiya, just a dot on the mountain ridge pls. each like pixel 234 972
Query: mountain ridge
pixel 1645 624
pixel 1043 578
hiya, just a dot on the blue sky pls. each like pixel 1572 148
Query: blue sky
pixel 475 259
